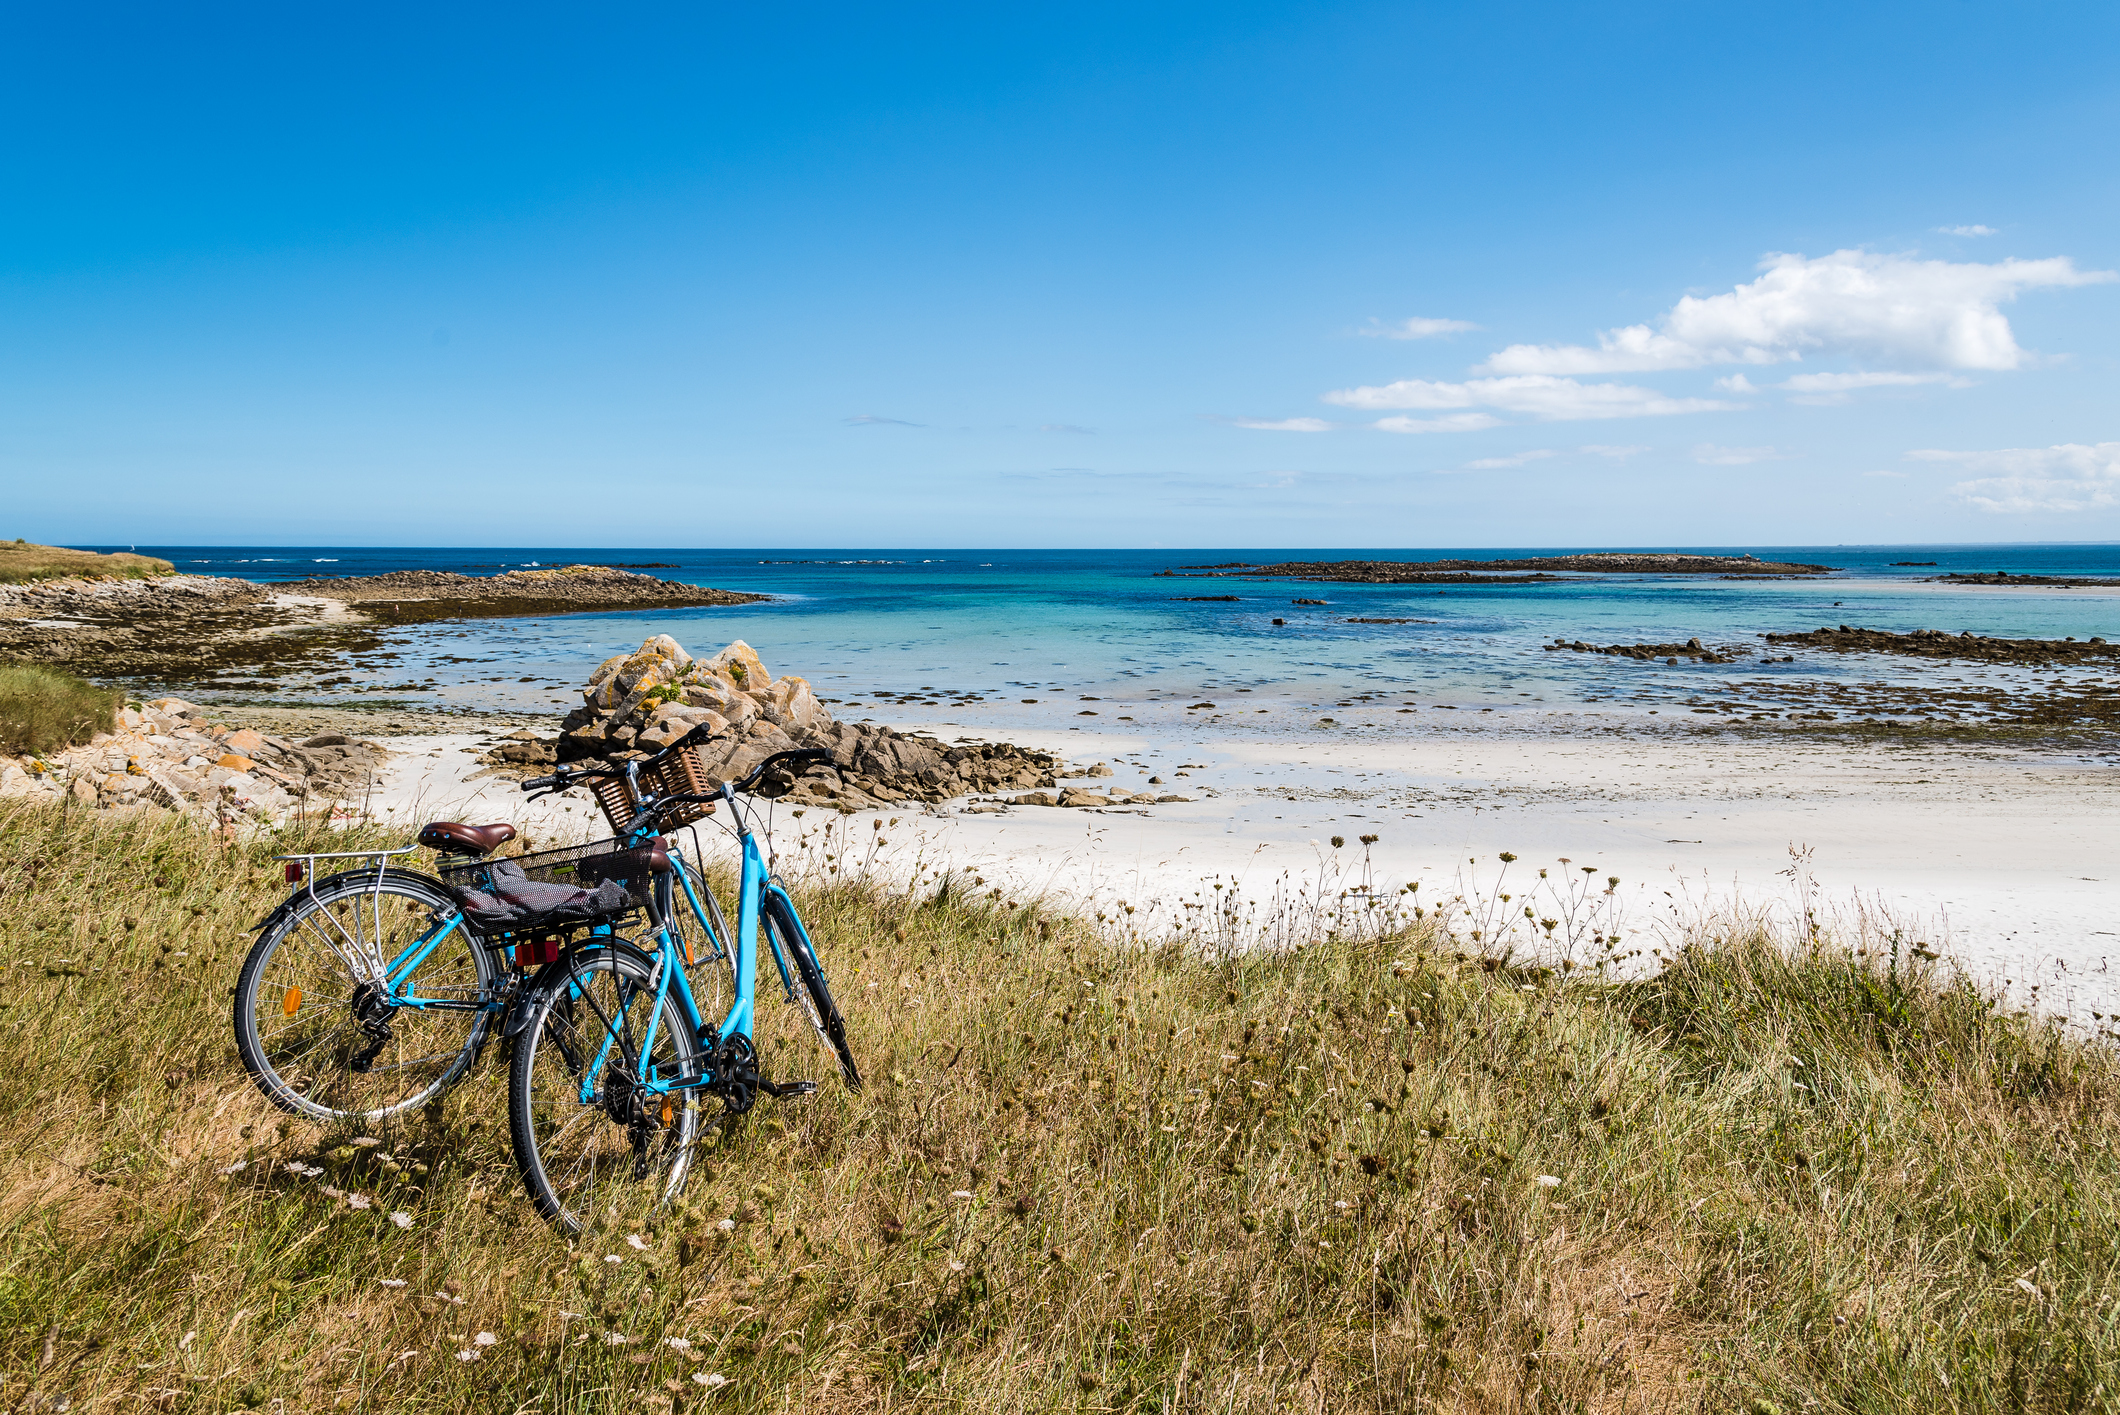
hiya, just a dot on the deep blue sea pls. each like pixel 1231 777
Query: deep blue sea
pixel 1106 622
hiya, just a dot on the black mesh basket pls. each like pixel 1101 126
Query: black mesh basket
pixel 584 866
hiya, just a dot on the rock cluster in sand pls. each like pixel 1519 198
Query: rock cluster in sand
pixel 648 699
pixel 171 755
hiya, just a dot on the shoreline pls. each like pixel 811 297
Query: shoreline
pixel 1989 855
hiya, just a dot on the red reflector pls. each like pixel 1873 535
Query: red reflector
pixel 294 871
pixel 537 953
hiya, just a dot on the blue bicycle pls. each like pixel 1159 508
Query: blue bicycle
pixel 616 1061
pixel 372 991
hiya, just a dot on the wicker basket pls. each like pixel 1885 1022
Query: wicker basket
pixel 680 775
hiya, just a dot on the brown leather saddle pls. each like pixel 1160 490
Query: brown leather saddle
pixel 453 839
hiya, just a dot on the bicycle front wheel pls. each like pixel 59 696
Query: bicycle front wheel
pixel 811 994
pixel 317 1034
pixel 600 1142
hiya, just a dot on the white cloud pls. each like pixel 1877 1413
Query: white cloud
pixel 1967 230
pixel 2070 477
pixel 1518 459
pixel 1599 450
pixel 1285 424
pixel 1416 328
pixel 1709 455
pixel 1884 474
pixel 1924 313
pixel 1821 389
pixel 1535 395
pixel 872 420
pixel 1737 383
pixel 1456 422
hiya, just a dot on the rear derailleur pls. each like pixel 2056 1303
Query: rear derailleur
pixel 373 1013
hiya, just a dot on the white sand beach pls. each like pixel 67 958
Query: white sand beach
pixel 2001 858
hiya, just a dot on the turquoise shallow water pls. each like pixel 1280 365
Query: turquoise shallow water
pixel 1108 624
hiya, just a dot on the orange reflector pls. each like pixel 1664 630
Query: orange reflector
pixel 292 1002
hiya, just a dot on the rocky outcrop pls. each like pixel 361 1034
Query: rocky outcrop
pixel 417 596
pixel 643 701
pixel 170 754
pixel 1934 643
pixel 1691 649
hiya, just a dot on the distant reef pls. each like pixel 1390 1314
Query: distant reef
pixel 416 596
pixel 163 631
pixel 1502 572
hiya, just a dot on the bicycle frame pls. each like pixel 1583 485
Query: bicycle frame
pixel 755 882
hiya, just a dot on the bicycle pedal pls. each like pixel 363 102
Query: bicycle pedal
pixel 781 1090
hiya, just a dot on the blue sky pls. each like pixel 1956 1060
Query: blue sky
pixel 1091 275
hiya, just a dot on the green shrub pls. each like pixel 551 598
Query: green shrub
pixel 41 710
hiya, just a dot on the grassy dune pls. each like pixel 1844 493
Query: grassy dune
pixel 22 562
pixel 1381 1175
pixel 42 709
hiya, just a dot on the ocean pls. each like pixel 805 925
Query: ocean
pixel 1014 623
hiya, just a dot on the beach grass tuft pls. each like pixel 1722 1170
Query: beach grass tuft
pixel 23 563
pixel 1377 1172
pixel 42 709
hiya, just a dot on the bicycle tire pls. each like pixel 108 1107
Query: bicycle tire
pixel 584 1166
pixel 812 993
pixel 295 1007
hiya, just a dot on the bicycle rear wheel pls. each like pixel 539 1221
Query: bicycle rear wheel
pixel 595 1148
pixel 812 994
pixel 320 1040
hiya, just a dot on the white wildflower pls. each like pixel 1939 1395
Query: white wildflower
pixel 960 1193
pixel 727 1225
pixel 366 1142
pixel 1548 1181
pixel 237 1168
pixel 677 1343
pixel 616 1338
pixel 391 1281
pixel 401 1219
pixel 359 1201
pixel 484 1338
pixel 635 1241
pixel 613 1258
pixel 467 1354
pixel 710 1379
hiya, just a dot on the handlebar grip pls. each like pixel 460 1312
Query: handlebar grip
pixel 539 783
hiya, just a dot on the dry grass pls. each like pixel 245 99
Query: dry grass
pixel 22 563
pixel 42 709
pixel 1086 1176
